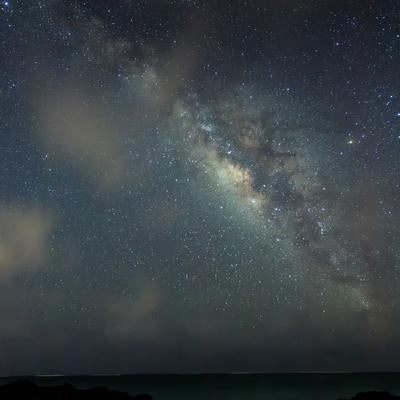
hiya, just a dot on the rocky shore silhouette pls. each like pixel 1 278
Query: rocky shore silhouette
pixel 374 396
pixel 26 390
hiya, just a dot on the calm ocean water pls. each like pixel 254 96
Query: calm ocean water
pixel 237 386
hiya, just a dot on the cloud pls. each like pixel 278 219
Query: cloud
pixel 23 240
pixel 80 127
pixel 84 133
pixel 136 317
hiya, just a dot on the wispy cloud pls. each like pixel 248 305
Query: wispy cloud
pixel 23 240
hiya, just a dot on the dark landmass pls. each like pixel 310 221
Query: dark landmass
pixel 375 396
pixel 26 390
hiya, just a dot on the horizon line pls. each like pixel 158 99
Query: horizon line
pixel 322 372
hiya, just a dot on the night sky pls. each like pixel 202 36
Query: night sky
pixel 199 186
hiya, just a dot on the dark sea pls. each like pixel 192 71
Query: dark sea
pixel 310 386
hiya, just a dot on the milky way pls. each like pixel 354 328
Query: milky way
pixel 199 186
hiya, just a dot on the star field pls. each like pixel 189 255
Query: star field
pixel 199 186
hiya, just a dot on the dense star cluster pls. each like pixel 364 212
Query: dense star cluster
pixel 194 186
